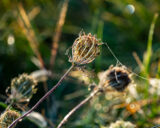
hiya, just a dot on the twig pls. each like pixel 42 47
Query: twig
pixel 136 57
pixel 57 34
pixel 43 98
pixel 78 106
pixel 34 12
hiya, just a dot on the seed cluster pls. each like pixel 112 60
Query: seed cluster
pixel 8 117
pixel 22 88
pixel 85 49
pixel 116 77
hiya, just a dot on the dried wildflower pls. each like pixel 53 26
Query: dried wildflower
pixel 8 117
pixel 116 77
pixel 22 89
pixel 122 124
pixel 85 49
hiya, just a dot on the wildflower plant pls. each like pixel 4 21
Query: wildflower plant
pixel 115 77
pixel 139 104
pixel 84 50
pixel 8 117
pixel 22 89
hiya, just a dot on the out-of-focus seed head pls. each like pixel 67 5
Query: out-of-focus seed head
pixel 116 77
pixel 22 88
pixel 122 124
pixel 85 49
pixel 8 117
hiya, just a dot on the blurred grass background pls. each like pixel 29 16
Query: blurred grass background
pixel 28 31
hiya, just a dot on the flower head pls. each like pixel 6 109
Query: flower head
pixel 116 77
pixel 85 49
pixel 8 117
pixel 22 88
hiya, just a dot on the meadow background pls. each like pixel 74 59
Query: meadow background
pixel 29 29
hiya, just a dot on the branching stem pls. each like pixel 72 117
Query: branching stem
pixel 65 119
pixel 43 98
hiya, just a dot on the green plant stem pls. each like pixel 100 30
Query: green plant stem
pixel 65 119
pixel 43 98
pixel 148 55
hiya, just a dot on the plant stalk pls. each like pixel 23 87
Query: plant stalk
pixel 43 98
pixel 65 119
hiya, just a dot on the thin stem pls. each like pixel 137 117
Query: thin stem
pixel 9 106
pixel 43 98
pixel 58 32
pixel 78 106
pixel 27 28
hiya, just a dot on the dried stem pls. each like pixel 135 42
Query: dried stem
pixel 43 98
pixel 24 22
pixel 139 62
pixel 65 119
pixel 58 30
pixel 26 26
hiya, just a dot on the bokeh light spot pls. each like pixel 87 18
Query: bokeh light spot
pixel 130 8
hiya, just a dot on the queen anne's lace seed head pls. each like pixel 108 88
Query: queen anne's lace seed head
pixel 85 49
pixel 116 77
pixel 22 88
pixel 8 117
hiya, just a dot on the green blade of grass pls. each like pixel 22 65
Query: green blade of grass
pixel 147 57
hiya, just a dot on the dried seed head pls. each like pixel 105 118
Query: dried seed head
pixel 85 49
pixel 116 77
pixel 8 117
pixel 22 88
